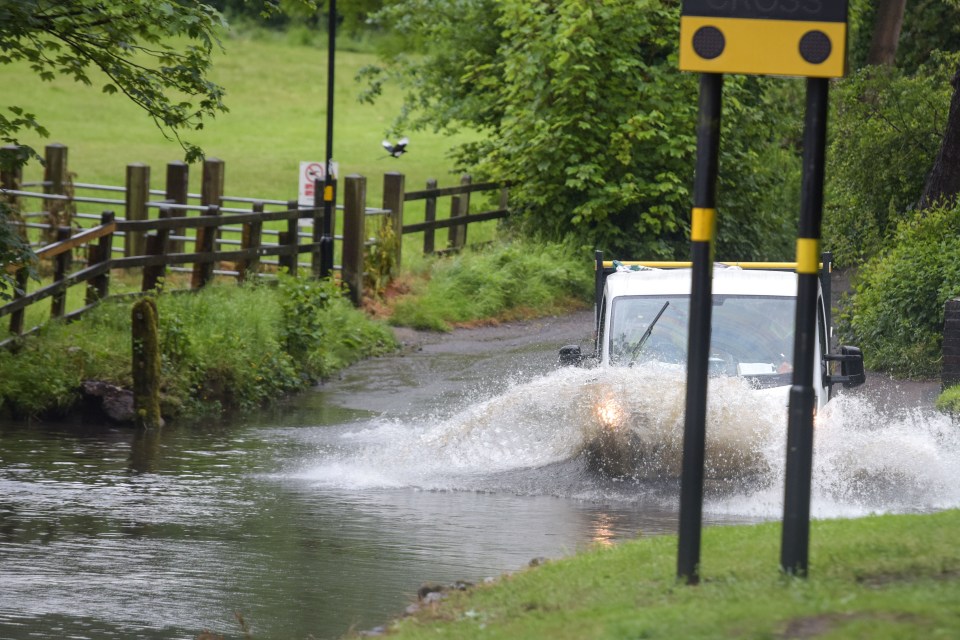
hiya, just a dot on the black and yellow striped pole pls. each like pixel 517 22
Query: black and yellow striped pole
pixel 796 505
pixel 703 224
pixel 806 38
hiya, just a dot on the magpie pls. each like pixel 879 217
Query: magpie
pixel 396 150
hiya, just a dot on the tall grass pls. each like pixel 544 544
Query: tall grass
pixel 503 282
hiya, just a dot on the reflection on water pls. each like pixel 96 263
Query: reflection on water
pixel 330 513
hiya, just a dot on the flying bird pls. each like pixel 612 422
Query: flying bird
pixel 396 150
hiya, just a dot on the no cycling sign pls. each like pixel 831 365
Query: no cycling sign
pixel 310 172
pixel 805 38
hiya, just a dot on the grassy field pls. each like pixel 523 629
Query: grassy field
pixel 276 92
pixel 876 577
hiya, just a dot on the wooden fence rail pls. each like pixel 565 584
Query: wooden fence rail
pixel 217 233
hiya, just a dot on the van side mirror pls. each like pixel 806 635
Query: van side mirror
pixel 851 367
pixel 570 355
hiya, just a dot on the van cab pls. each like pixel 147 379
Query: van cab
pixel 643 312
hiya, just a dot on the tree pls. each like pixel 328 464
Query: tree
pixel 586 115
pixel 943 183
pixel 124 46
pixel 886 31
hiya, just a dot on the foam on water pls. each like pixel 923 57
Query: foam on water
pixel 865 461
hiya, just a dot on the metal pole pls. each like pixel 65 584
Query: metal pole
pixel 329 204
pixel 796 503
pixel 702 230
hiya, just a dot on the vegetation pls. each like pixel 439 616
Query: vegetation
pixel 583 110
pixel 897 312
pixel 281 339
pixel 132 43
pixel 886 129
pixel 876 577
pixel 504 282
pixel 949 400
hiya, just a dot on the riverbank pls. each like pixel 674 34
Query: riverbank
pixel 875 577
pixel 223 349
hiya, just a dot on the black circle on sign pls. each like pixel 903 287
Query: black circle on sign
pixel 708 42
pixel 815 47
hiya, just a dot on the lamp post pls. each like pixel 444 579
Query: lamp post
pixel 329 183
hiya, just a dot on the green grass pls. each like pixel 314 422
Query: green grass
pixel 949 400
pixel 876 577
pixel 503 282
pixel 276 92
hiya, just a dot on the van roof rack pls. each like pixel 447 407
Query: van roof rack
pixel 604 268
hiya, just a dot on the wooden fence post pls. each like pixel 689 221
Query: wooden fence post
pixel 354 230
pixel 138 194
pixel 393 190
pixel 11 175
pixel 178 181
pixel 16 318
pixel 54 180
pixel 146 364
pixel 430 215
pixel 252 234
pixel 293 239
pixel 460 206
pixel 203 271
pixel 99 287
pixel 157 245
pixel 62 264
pixel 211 189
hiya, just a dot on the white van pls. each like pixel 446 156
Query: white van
pixel 643 312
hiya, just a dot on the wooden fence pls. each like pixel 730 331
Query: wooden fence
pixel 222 240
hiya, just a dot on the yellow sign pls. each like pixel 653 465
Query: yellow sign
pixel 764 37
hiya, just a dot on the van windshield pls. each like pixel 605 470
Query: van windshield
pixel 750 335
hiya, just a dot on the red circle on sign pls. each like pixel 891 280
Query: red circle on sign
pixel 314 171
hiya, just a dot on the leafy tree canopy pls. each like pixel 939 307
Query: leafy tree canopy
pixel 154 52
pixel 585 113
pixel 134 43
pixel 886 128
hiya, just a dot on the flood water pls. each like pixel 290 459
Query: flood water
pixel 463 459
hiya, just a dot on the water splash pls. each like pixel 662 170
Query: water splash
pixel 573 431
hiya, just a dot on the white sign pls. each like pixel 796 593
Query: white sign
pixel 310 172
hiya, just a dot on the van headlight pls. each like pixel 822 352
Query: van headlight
pixel 610 413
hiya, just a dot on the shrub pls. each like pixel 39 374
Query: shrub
pixel 885 133
pixel 897 312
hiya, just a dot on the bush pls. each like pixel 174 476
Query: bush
pixel 897 312
pixel 885 133
pixel 505 282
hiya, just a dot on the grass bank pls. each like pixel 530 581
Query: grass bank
pixel 511 280
pixel 230 347
pixel 226 347
pixel 876 577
